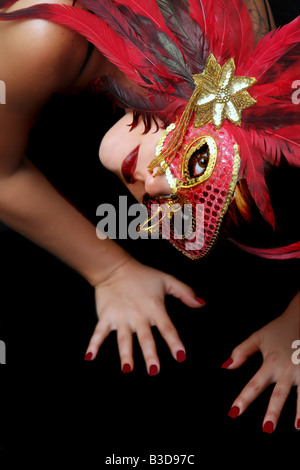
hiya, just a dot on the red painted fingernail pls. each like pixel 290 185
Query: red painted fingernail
pixel 181 356
pixel 227 363
pixel 234 412
pixel 88 356
pixel 268 427
pixel 298 424
pixel 201 301
pixel 153 370
pixel 126 369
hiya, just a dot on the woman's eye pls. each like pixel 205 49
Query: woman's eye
pixel 198 161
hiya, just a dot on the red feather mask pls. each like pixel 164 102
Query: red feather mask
pixel 227 99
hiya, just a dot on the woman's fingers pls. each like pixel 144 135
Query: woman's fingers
pixel 148 347
pixel 278 398
pixel 170 335
pixel 124 339
pixel 241 353
pixel 126 327
pixel 130 315
pixel 259 382
pixel 147 344
pixel 101 332
pixel 182 291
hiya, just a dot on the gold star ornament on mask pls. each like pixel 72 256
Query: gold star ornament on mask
pixel 220 94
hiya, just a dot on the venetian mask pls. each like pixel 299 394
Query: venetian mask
pixel 202 176
pixel 201 161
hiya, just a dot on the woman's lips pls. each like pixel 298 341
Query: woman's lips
pixel 129 165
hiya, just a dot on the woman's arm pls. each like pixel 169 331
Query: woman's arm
pixel 32 71
pixel 37 59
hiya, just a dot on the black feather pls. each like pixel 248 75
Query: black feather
pixel 161 45
pixel 186 30
pixel 129 98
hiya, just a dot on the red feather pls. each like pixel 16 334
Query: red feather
pixel 231 32
pixel 140 40
pixel 284 252
pixel 271 48
pixel 242 36
pixel 259 146
pixel 6 3
pixel 202 12
pixel 287 141
pixel 188 32
pixel 151 11
pixel 252 169
pixel 275 63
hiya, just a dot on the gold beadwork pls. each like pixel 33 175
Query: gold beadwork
pixel 221 94
pixel 173 182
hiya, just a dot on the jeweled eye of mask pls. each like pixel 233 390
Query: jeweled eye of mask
pixel 203 176
pixel 198 162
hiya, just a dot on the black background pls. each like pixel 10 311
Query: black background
pixel 52 400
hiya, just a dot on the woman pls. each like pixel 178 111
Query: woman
pixel 143 181
pixel 39 58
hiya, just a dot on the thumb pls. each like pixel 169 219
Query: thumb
pixel 242 352
pixel 182 291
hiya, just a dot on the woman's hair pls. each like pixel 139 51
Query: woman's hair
pixel 148 119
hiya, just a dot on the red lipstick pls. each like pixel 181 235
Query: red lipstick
pixel 129 165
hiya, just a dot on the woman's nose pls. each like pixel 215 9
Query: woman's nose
pixel 156 185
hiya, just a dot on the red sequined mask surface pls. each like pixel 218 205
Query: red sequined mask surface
pixel 202 175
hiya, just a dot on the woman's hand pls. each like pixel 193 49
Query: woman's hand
pixel 132 300
pixel 274 341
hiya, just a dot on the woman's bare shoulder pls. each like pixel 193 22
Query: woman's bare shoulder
pixel 37 46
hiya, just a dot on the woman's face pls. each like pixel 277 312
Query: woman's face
pixel 205 170
pixel 127 153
